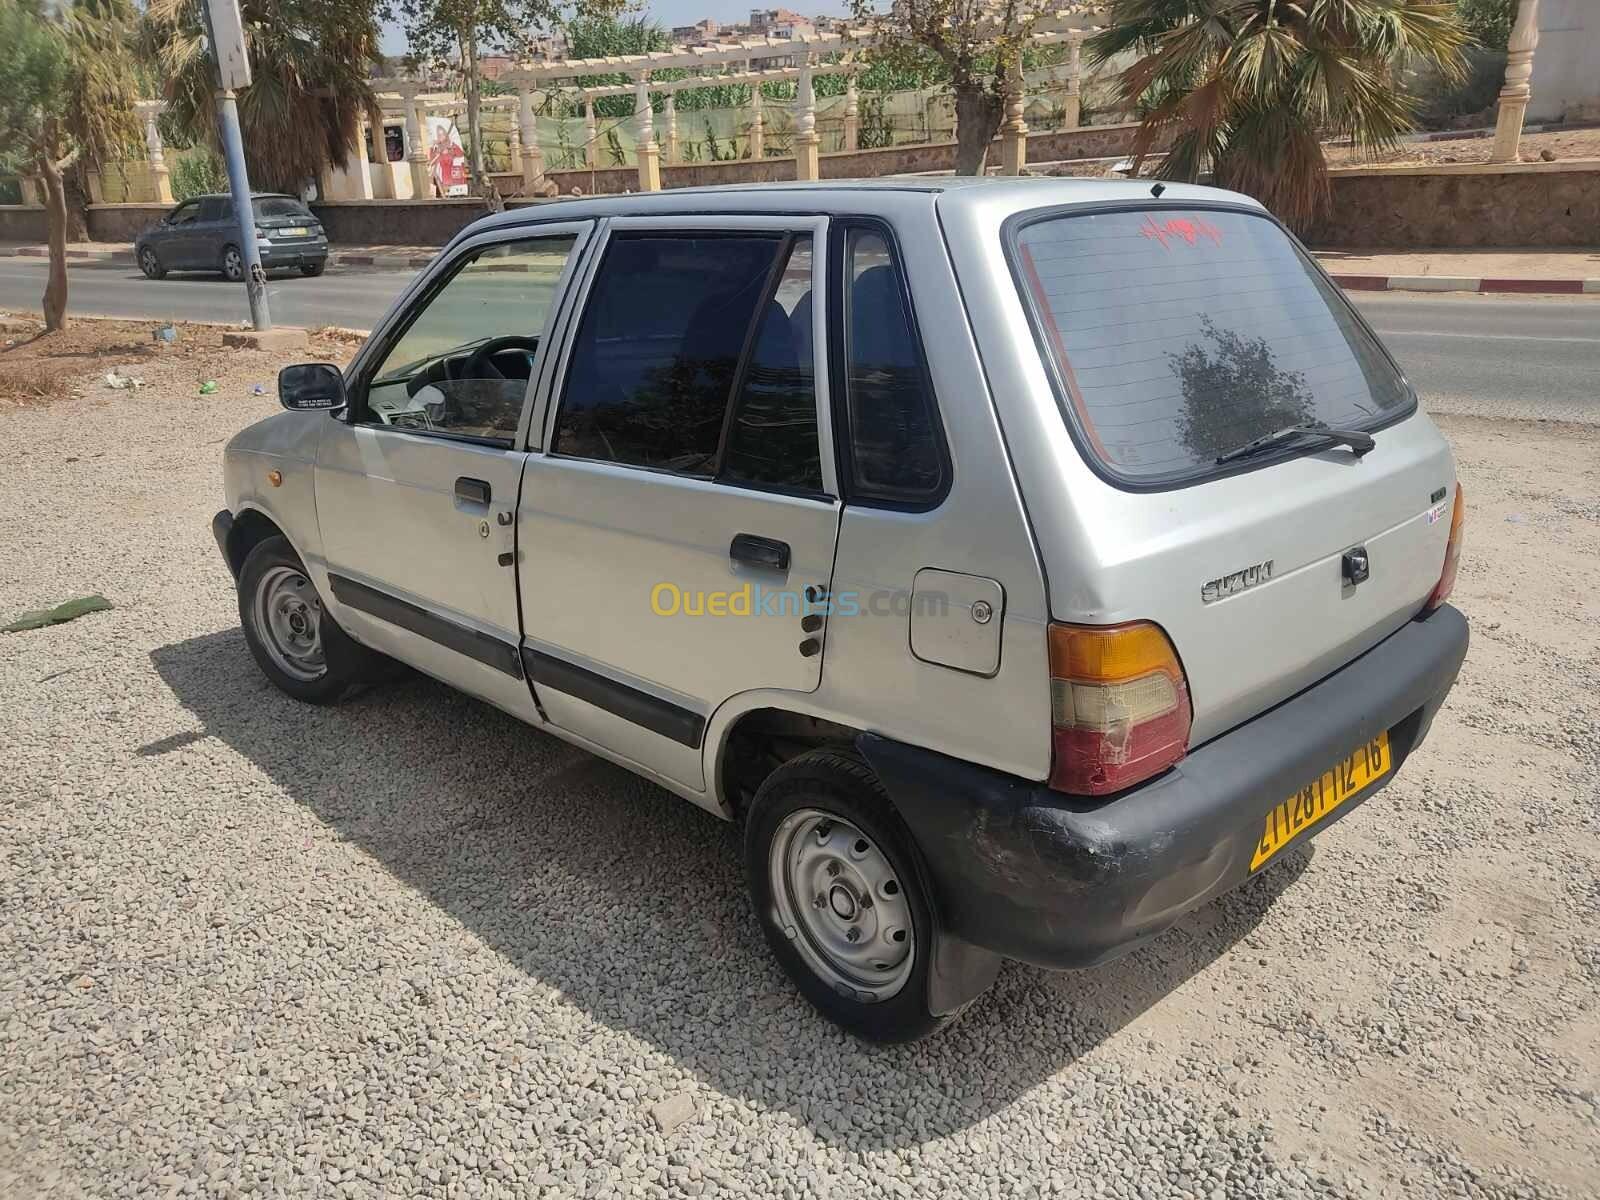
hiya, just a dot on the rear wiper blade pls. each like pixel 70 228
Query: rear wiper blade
pixel 1359 443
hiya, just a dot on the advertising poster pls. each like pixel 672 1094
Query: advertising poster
pixel 447 160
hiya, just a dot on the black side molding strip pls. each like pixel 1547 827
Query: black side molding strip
pixel 491 651
pixel 653 713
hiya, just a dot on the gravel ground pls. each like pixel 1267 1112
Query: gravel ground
pixel 410 947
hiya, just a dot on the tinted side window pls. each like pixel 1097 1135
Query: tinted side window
pixel 772 437
pixel 654 362
pixel 215 210
pixel 184 213
pixel 895 450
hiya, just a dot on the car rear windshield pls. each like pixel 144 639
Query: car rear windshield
pixel 280 206
pixel 1178 335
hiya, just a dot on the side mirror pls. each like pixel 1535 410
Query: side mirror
pixel 311 386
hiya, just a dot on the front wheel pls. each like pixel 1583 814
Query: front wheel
pixel 839 890
pixel 232 264
pixel 297 645
pixel 150 264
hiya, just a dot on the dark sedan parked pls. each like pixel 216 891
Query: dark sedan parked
pixel 202 234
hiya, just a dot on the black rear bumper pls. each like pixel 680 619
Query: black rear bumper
pixel 1062 881
pixel 293 255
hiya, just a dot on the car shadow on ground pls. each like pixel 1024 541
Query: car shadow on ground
pixel 632 902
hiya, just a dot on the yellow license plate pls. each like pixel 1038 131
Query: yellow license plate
pixel 1320 797
pixel 296 231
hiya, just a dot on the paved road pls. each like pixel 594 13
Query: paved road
pixel 353 298
pixel 1513 356
pixel 1527 356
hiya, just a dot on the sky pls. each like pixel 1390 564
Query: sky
pixel 668 13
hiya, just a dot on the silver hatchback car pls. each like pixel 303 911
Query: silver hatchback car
pixel 1023 563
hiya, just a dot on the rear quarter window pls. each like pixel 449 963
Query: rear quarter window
pixel 1177 335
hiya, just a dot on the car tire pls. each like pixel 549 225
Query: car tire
pixel 841 894
pixel 294 641
pixel 232 264
pixel 150 264
pixel 311 270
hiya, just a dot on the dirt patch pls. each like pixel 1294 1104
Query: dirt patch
pixel 1471 148
pixel 126 356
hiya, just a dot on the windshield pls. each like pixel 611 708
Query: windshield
pixel 279 206
pixel 1180 334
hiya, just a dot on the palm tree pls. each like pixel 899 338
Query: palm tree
pixel 1249 88
pixel 309 62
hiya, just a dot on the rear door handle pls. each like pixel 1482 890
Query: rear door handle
pixel 473 491
pixel 759 551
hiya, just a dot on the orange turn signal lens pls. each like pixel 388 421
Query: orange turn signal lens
pixel 1452 553
pixel 1110 653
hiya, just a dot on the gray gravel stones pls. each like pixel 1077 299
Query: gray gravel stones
pixel 407 947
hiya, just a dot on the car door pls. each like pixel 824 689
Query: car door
pixel 417 486
pixel 214 229
pixel 683 507
pixel 174 237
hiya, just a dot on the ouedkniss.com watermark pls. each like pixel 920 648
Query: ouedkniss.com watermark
pixel 756 600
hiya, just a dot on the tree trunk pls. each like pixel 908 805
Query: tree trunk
pixel 978 114
pixel 75 183
pixel 55 215
pixel 474 110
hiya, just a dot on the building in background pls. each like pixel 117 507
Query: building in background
pixel 1566 64
pixel 698 34
pixel 780 23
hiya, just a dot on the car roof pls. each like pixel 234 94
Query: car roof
pixel 253 196
pixel 846 196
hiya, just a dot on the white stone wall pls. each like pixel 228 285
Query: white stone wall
pixel 1566 66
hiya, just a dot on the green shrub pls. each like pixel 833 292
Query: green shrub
pixel 196 172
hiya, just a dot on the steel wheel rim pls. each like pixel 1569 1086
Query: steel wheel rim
pixel 233 265
pixel 842 905
pixel 288 616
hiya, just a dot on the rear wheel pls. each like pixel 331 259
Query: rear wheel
pixel 313 269
pixel 150 264
pixel 297 645
pixel 232 264
pixel 838 888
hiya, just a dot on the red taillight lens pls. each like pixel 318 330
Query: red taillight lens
pixel 1452 553
pixel 1119 706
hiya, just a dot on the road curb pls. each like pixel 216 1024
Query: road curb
pixel 1462 283
pixel 382 262
pixel 112 256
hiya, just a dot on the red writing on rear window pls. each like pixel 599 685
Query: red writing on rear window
pixel 1190 229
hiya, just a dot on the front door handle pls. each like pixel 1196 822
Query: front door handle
pixel 473 491
pixel 759 551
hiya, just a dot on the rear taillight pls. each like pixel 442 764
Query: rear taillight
pixel 1119 706
pixel 1452 553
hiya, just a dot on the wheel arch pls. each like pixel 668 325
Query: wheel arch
pixel 749 736
pixel 253 525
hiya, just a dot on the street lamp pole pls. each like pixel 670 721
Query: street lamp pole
pixel 225 29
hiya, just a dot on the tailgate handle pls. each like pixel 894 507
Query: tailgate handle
pixel 473 491
pixel 759 551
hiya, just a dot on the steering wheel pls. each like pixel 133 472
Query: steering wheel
pixel 480 364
